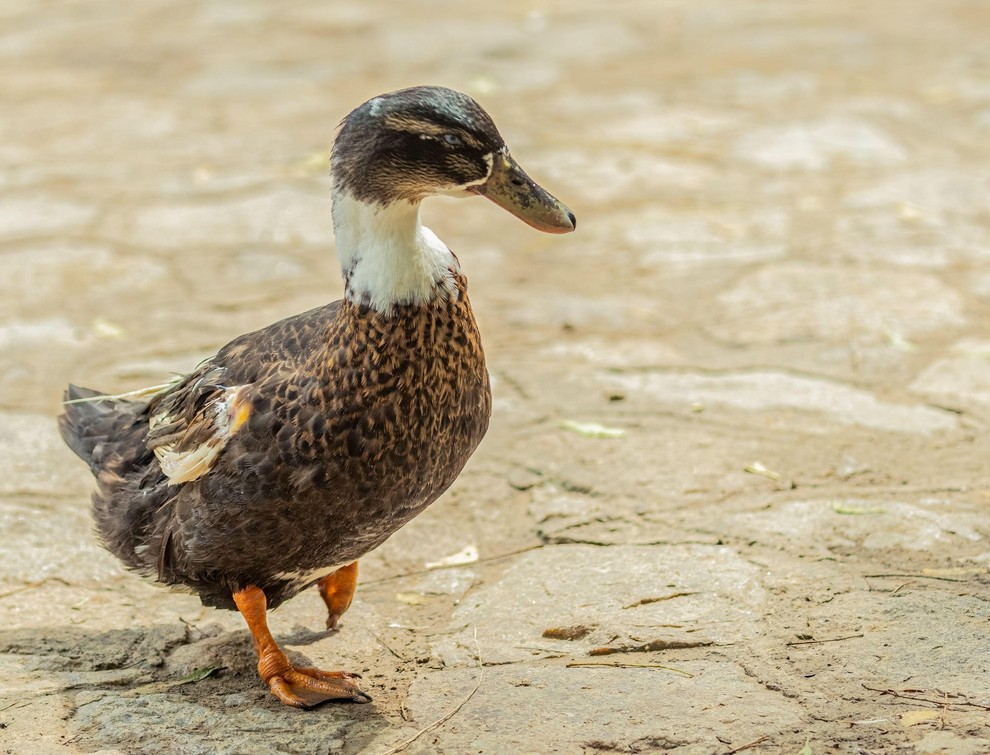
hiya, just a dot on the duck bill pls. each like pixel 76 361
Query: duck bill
pixel 510 188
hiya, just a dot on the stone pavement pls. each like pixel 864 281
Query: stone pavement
pixel 735 496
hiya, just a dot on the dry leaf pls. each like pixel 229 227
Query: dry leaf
pixel 575 632
pixel 107 329
pixel 592 429
pixel 466 555
pixel 757 468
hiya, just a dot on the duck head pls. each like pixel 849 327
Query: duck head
pixel 407 145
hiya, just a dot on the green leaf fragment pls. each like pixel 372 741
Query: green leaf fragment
pixel 757 468
pixel 853 510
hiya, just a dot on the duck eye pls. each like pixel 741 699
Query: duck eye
pixel 453 140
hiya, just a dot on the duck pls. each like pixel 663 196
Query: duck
pixel 278 463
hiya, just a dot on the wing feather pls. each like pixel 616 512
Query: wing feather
pixel 192 421
pixel 188 435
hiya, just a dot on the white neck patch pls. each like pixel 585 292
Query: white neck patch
pixel 387 257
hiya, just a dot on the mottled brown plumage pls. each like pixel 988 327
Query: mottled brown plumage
pixel 300 447
pixel 374 421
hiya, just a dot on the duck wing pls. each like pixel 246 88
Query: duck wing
pixel 193 422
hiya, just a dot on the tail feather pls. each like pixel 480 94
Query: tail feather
pixel 88 421
pixel 109 433
pixel 83 423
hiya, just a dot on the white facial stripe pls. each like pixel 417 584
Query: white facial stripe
pixel 490 162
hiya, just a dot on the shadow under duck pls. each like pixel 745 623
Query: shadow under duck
pixel 300 447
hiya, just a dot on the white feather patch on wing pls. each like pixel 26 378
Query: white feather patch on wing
pixel 229 412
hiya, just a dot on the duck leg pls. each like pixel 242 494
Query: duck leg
pixel 302 686
pixel 337 590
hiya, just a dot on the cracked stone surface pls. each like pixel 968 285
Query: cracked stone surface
pixel 776 306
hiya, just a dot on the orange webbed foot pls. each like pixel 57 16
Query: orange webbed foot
pixel 298 686
pixel 304 687
pixel 337 590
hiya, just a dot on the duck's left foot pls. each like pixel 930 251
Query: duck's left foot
pixel 300 687
pixel 304 687
pixel 337 590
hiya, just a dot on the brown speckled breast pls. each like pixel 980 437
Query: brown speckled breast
pixel 357 422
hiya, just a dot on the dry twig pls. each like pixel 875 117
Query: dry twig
pixel 647 601
pixel 450 714
pixel 915 576
pixel 592 664
pixel 652 647
pixel 747 746
pixel 816 642
pixel 387 646
pixel 936 703
pixel 33 586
